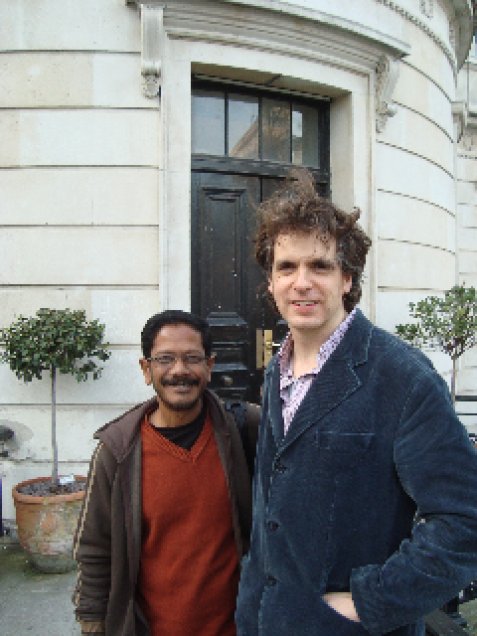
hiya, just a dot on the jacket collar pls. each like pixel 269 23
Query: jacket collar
pixel 120 434
pixel 335 383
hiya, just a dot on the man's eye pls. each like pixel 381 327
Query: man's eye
pixel 193 359
pixel 164 359
pixel 284 267
pixel 323 267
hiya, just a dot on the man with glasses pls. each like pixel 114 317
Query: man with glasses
pixel 167 508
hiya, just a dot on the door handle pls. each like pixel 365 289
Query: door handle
pixel 264 347
pixel 227 380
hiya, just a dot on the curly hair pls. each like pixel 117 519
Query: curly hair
pixel 297 208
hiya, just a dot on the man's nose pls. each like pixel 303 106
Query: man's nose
pixel 302 278
pixel 179 365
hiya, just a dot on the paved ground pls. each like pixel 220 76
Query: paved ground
pixel 469 612
pixel 36 604
pixel 32 603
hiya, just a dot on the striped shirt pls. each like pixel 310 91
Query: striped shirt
pixel 293 390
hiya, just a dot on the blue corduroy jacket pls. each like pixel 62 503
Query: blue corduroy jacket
pixel 373 490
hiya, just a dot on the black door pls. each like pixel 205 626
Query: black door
pixel 228 287
pixel 243 144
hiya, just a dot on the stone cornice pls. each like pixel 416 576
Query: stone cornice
pixel 265 30
pixel 260 30
pixel 268 15
pixel 460 13
pixel 462 27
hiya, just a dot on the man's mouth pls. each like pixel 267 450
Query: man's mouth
pixel 304 303
pixel 184 382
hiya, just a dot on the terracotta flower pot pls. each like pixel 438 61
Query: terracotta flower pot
pixel 46 526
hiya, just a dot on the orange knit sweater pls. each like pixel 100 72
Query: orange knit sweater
pixel 189 563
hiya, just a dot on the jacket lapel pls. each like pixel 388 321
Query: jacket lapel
pixel 336 381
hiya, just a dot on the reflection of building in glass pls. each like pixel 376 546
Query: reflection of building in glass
pixel 247 145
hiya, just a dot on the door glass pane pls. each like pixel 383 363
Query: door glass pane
pixel 243 126
pixel 305 136
pixel 276 130
pixel 208 122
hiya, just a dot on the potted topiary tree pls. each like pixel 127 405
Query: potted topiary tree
pixel 448 324
pixel 47 508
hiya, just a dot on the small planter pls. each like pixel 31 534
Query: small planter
pixel 46 526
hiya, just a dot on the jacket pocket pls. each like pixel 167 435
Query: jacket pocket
pixel 342 451
pixel 336 624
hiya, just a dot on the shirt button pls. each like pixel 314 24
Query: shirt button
pixel 272 525
pixel 271 580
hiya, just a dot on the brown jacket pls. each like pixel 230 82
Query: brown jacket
pixel 108 538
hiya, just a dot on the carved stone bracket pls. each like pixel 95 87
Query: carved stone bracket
pixel 151 33
pixel 387 73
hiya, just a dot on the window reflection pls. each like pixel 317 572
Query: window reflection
pixel 276 130
pixel 255 127
pixel 243 126
pixel 208 122
pixel 305 136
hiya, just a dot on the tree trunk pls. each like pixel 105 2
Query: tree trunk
pixel 54 445
pixel 454 372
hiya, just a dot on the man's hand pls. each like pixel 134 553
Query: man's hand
pixel 342 602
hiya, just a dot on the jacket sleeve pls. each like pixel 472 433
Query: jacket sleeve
pixel 92 544
pixel 437 468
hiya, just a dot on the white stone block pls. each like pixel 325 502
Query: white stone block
pixel 425 97
pixel 428 58
pixel 467 239
pixel 51 79
pixel 122 311
pixel 125 312
pixel 467 168
pixel 79 196
pixel 467 215
pixel 31 441
pixel 466 193
pixel 468 265
pixel 121 383
pixel 415 221
pixel 416 134
pixel 415 177
pixel 468 382
pixel 404 265
pixel 79 256
pixel 70 25
pixel 392 307
pixel 79 138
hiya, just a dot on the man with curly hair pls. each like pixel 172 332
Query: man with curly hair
pixel 365 491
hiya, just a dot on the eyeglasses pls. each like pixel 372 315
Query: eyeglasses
pixel 166 360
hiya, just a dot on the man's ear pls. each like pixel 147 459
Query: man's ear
pixel 210 364
pixel 146 370
pixel 348 283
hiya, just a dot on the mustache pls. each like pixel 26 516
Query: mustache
pixel 180 380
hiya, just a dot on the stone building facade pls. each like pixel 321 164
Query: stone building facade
pixel 107 196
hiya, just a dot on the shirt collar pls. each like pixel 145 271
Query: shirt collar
pixel 285 352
